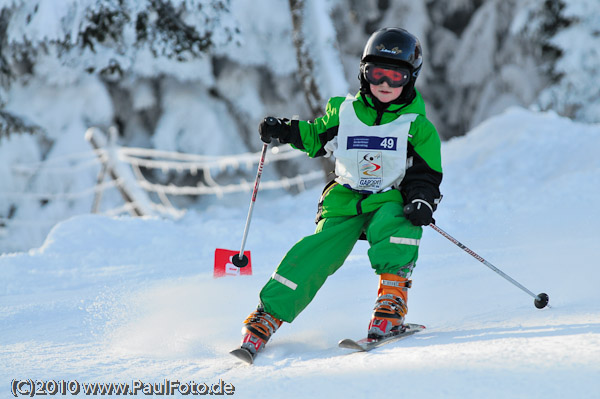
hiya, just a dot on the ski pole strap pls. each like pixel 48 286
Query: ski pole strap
pixel 423 202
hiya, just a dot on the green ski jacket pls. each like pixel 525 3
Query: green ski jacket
pixel 424 165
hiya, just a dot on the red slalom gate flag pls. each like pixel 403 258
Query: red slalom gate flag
pixel 224 266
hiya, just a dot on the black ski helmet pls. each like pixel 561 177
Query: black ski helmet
pixel 394 47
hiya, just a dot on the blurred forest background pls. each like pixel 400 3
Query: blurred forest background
pixel 197 76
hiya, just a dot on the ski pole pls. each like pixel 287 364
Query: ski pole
pixel 242 260
pixel 541 300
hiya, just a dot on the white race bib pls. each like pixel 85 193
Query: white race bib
pixel 370 159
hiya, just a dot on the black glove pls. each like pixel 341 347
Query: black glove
pixel 419 212
pixel 276 128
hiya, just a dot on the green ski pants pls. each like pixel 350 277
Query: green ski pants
pixel 394 246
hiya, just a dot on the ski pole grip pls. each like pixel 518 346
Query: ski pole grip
pixel 271 121
pixel 408 209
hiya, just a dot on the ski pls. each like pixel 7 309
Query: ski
pixel 362 345
pixel 366 344
pixel 244 355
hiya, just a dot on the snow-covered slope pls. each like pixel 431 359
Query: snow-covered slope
pixel 122 299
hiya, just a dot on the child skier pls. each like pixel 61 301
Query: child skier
pixel 387 155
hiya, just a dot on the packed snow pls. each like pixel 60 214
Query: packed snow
pixel 126 300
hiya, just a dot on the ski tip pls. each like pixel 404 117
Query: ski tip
pixel 348 343
pixel 244 355
pixel 412 326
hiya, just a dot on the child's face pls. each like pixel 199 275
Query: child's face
pixel 384 93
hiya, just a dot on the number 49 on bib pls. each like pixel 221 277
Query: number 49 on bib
pixel 389 143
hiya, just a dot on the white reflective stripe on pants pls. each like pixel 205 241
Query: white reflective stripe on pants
pixel 405 241
pixel 284 281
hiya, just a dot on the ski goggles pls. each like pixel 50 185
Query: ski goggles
pixel 394 76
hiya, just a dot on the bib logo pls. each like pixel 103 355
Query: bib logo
pixel 370 169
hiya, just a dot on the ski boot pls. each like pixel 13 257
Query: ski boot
pixel 390 307
pixel 257 330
